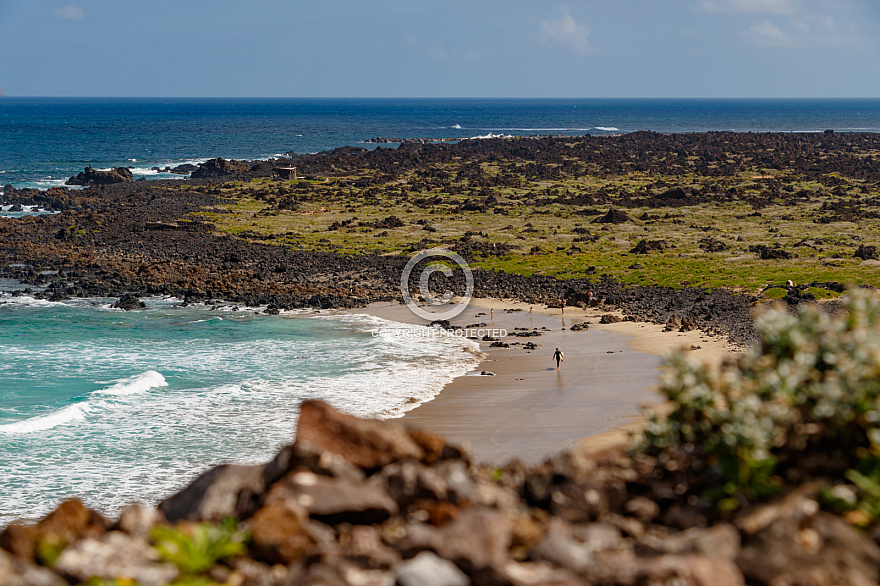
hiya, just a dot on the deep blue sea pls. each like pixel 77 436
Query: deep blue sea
pixel 43 141
pixel 117 407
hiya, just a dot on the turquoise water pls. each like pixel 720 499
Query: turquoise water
pixel 117 407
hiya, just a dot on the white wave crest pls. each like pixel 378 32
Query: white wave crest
pixel 44 422
pixel 607 128
pixel 456 126
pixel 136 384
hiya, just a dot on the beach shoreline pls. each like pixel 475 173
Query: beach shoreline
pixel 528 410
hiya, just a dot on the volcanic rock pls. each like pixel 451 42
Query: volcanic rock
pixel 17 572
pixel 612 217
pixel 91 177
pixel 770 252
pixel 332 500
pixel 366 443
pixel 224 491
pixel 115 555
pixel 220 167
pixel 129 302
pixel 67 523
pixel 184 169
pixel 646 246
pixel 866 253
pixel 426 569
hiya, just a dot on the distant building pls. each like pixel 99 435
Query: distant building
pixel 286 172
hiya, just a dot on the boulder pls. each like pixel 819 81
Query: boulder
pixel 225 491
pixel 115 556
pixel 475 540
pixel 792 541
pixel 129 302
pixel 612 217
pixel 91 177
pixel 17 572
pixel 72 520
pixel 426 569
pixel 333 500
pixel 220 167
pixel 866 252
pixel 646 246
pixel 279 534
pixel 184 169
pixel 367 443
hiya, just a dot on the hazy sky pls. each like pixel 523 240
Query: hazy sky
pixel 443 48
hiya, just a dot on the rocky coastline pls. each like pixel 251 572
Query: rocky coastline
pixel 118 238
pixel 371 502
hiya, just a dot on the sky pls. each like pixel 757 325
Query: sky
pixel 441 48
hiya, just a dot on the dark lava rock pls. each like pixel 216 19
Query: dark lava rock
pixel 795 296
pixel 582 327
pixel 220 167
pixel 866 253
pixel 713 245
pixel 770 252
pixel 609 319
pixel 612 217
pixel 677 193
pixel 129 302
pixel 646 246
pixel 91 177
pixel 184 169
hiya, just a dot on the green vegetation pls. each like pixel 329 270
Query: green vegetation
pixel 197 547
pixel 803 404
pixel 508 222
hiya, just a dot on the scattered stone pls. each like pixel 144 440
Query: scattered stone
pixel 426 569
pixel 333 500
pixel 770 252
pixel 486 373
pixel 646 246
pixel 115 555
pixel 579 327
pixel 610 318
pixel 17 572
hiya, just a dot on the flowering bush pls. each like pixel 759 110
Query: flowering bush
pixel 805 402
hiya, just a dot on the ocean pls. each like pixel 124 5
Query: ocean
pixel 44 141
pixel 118 407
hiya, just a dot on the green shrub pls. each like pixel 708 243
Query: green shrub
pixel 804 403
pixel 198 547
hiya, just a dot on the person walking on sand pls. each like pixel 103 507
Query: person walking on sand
pixel 559 357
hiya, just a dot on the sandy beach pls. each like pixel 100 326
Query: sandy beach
pixel 529 409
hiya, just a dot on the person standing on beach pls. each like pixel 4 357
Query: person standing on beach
pixel 559 357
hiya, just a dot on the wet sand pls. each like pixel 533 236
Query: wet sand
pixel 529 410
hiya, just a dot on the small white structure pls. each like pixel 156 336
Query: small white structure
pixel 286 172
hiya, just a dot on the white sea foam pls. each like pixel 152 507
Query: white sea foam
pixel 456 126
pixel 136 384
pixel 489 135
pixel 43 422
pixel 607 128
pixel 226 398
